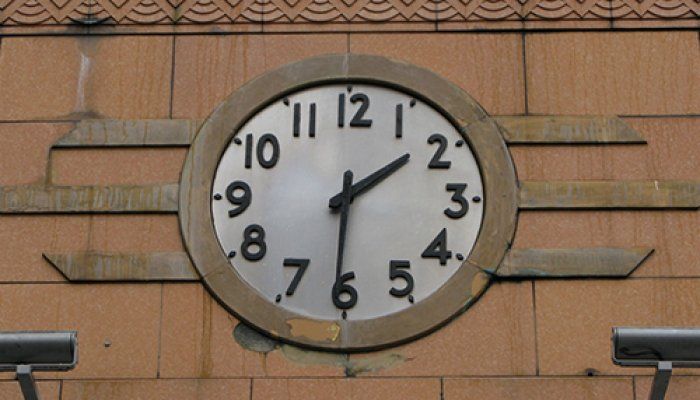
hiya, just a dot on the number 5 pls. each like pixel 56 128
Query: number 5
pixel 395 273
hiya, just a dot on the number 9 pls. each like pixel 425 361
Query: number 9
pixel 242 201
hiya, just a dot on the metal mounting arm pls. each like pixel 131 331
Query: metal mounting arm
pixel 26 382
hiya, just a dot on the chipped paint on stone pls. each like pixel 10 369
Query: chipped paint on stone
pixel 22 199
pixel 609 194
pixel 252 340
pixel 125 133
pixel 567 130
pixel 314 330
pixel 569 263
pixel 124 267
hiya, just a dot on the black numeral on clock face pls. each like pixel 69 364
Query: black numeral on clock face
pixel 263 142
pixel 358 120
pixel 397 270
pixel 296 122
pixel 438 248
pixel 253 236
pixel 399 121
pixel 341 287
pixel 242 201
pixel 435 162
pixel 458 197
pixel 302 264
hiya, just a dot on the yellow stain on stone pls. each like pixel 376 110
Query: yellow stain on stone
pixel 479 283
pixel 314 330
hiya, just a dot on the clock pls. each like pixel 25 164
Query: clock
pixel 347 202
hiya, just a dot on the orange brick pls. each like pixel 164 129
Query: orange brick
pixel 23 239
pixel 488 67
pixel 117 166
pixel 672 152
pixel 350 389
pixel 24 151
pixel 160 389
pixel 673 235
pixel 681 387
pixel 575 319
pixel 539 388
pixel 48 390
pixel 209 68
pixel 117 324
pixel 197 341
pixel 613 73
pixel 74 77
pixel 493 337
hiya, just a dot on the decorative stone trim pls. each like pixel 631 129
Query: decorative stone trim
pixel 289 12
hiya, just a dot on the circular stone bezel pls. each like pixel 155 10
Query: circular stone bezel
pixel 456 295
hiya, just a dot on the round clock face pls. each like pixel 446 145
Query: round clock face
pixel 347 202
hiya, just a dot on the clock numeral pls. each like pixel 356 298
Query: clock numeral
pixel 358 120
pixel 296 123
pixel 302 264
pixel 399 121
pixel 396 271
pixel 341 110
pixel 242 201
pixel 266 139
pixel 253 235
pixel 435 162
pixel 438 248
pixel 458 197
pixel 340 288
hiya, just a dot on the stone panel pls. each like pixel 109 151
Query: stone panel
pixel 161 389
pixel 494 337
pixel 24 150
pixel 209 68
pixel 23 239
pixel 673 235
pixel 197 341
pixel 117 324
pixel 48 390
pixel 90 76
pixel 681 387
pixel 672 152
pixel 629 73
pixel 575 319
pixel 350 389
pixel 538 388
pixel 117 166
pixel 488 67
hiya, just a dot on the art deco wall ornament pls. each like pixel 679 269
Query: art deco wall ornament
pixel 201 15
pixel 350 202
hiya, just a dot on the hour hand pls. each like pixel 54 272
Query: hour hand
pixel 369 181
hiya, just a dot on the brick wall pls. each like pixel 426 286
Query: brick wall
pixel 526 340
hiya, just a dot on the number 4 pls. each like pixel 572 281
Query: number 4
pixel 438 248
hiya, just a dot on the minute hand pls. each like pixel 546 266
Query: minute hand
pixel 369 181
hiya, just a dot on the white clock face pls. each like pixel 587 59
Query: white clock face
pixel 351 202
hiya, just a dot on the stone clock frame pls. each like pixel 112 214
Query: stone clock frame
pixel 457 294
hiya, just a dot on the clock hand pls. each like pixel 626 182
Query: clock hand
pixel 369 181
pixel 345 198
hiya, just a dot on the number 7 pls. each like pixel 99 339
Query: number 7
pixel 302 264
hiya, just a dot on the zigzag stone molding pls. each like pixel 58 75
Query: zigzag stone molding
pixel 179 12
